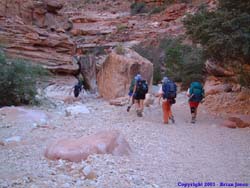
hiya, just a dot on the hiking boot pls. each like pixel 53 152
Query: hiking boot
pixel 193 120
pixel 172 119
pixel 128 108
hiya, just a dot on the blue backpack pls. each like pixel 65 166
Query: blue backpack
pixel 169 89
pixel 196 91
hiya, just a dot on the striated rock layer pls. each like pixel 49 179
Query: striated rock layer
pixel 34 30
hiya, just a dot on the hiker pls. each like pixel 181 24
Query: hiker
pixel 196 95
pixel 79 86
pixel 130 93
pixel 167 92
pixel 139 93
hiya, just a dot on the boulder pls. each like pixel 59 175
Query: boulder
pixel 116 73
pixel 77 149
pixel 229 124
pixel 239 122
pixel 54 6
pixel 214 86
pixel 236 122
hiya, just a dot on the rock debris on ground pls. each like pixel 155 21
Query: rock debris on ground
pixel 161 155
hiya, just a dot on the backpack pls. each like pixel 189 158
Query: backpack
pixel 169 89
pixel 196 91
pixel 141 87
pixel 77 89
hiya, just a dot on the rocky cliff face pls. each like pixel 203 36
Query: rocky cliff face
pixel 47 31
pixel 35 30
pixel 42 13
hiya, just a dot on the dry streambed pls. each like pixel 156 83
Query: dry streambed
pixel 161 156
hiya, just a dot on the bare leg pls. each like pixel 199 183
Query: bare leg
pixel 141 107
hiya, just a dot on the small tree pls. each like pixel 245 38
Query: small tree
pixel 18 81
pixel 224 33
pixel 171 58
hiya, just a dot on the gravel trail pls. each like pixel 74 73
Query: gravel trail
pixel 162 156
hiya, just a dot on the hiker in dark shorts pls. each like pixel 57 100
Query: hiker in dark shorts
pixel 131 91
pixel 139 94
pixel 196 95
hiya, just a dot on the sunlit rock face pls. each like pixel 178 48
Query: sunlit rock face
pixel 118 70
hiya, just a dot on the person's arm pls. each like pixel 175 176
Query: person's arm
pixel 188 92
pixel 160 94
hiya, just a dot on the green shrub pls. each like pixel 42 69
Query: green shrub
pixel 244 76
pixel 18 81
pixel 157 9
pixel 183 63
pixel 157 77
pixel 224 33
pixel 138 7
pixel 171 58
pixel 120 49
pixel 121 27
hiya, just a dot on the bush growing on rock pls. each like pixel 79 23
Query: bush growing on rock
pixel 120 49
pixel 138 7
pixel 18 81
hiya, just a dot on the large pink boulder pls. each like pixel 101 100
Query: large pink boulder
pixel 75 150
pixel 119 69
